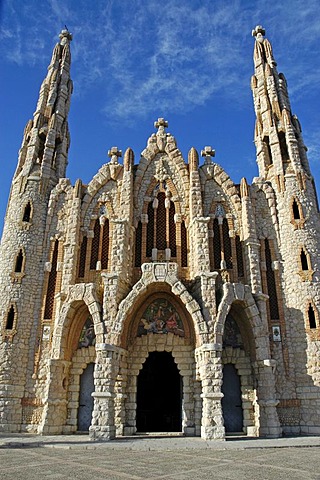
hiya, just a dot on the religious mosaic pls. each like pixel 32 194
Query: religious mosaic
pixel 232 335
pixel 160 317
pixel 87 336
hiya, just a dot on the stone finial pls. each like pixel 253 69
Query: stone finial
pixel 259 32
pixel 244 188
pixel 161 124
pixel 208 152
pixel 114 154
pixel 128 159
pixel 193 159
pixel 65 36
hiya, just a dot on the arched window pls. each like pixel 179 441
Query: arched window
pixel 305 267
pixel 268 153
pixel 295 210
pixel 297 218
pixel 138 249
pixel 105 245
pixel 184 246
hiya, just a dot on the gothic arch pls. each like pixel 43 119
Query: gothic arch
pixel 239 297
pixel 81 298
pixel 155 275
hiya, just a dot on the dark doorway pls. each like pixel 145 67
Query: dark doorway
pixel 159 395
pixel 86 399
pixel 232 402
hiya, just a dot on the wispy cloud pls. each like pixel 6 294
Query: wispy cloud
pixel 171 56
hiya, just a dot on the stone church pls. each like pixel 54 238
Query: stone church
pixel 161 297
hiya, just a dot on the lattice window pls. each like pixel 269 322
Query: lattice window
pixel 19 262
pixel 216 245
pixel 239 251
pixel 137 262
pixel 227 244
pixel 27 213
pixel 105 245
pixel 95 245
pixel 172 230
pixel 51 283
pixel 161 222
pixel 312 317
pixel 10 318
pixel 184 245
pixel 271 284
pixel 150 230
pixel 83 256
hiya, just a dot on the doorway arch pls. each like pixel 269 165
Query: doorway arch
pixel 159 395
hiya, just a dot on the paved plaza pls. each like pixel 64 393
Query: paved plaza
pixel 31 457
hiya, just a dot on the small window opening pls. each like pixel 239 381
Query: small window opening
pixel 311 317
pixel 19 262
pixel 268 149
pixel 304 260
pixel 27 213
pixel 10 319
pixel 283 147
pixel 295 209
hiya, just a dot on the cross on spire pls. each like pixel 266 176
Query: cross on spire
pixel 161 123
pixel 208 152
pixel 114 153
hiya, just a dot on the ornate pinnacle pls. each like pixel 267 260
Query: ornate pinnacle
pixel 65 36
pixel 161 124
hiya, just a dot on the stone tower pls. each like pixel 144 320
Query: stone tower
pixel 161 296
pixel 42 163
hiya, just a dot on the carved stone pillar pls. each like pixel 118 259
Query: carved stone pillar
pixel 209 366
pixel 55 404
pixel 269 420
pixel 105 375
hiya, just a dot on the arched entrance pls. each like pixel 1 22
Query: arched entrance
pixel 159 395
pixel 86 399
pixel 231 401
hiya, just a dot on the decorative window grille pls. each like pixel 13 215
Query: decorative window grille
pixel 271 283
pixel 184 245
pixel 172 230
pixel 51 283
pixel 138 245
pixel 95 245
pixel 227 244
pixel 83 256
pixel 150 230
pixel 216 245
pixel 239 252
pixel 161 243
pixel 105 245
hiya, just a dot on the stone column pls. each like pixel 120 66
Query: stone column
pixel 269 421
pixel 105 375
pixel 54 414
pixel 209 365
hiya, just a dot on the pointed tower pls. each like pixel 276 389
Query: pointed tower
pixel 42 162
pixel 287 222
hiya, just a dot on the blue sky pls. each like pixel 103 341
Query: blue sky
pixel 136 60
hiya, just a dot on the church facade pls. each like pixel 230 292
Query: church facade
pixel 161 297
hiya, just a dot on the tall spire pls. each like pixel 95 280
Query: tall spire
pixel 46 140
pixel 278 138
